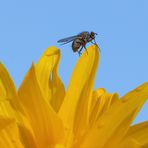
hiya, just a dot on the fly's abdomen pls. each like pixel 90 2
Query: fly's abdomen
pixel 76 45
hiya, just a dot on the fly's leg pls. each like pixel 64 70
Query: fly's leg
pixel 85 49
pixel 96 44
pixel 79 52
pixel 93 42
pixel 83 45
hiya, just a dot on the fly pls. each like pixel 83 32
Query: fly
pixel 79 41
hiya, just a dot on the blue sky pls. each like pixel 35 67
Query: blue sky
pixel 28 27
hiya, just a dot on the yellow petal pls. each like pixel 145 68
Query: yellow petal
pixel 6 109
pixel 9 135
pixel 103 102
pixel 74 110
pixel 2 90
pixel 113 125
pixel 140 133
pixel 47 74
pixel 141 91
pixel 57 90
pixel 96 94
pixel 45 123
pixel 129 143
pixel 8 90
pixel 7 85
pixel 25 130
pixel 26 134
pixel 9 102
pixel 59 146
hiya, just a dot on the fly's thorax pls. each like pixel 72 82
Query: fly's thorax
pixel 90 39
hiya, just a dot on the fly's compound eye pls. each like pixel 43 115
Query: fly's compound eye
pixel 92 34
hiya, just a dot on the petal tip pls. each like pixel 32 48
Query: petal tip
pixel 91 50
pixel 52 50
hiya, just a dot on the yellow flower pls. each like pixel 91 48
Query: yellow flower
pixel 41 114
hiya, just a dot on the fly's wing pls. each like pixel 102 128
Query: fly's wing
pixel 67 40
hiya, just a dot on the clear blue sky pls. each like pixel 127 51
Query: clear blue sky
pixel 27 27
